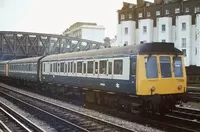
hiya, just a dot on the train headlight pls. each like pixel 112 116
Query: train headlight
pixel 179 87
pixel 153 89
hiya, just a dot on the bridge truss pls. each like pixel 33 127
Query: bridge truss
pixel 27 44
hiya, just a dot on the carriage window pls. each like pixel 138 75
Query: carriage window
pixel 74 67
pixel 44 67
pixel 165 67
pixel 178 70
pixel 96 67
pixel 103 67
pixel 79 67
pixel 69 67
pixel 90 67
pixel 151 67
pixel 58 68
pixel 109 67
pixel 51 68
pixel 65 67
pixel 62 67
pixel 84 67
pixel 118 67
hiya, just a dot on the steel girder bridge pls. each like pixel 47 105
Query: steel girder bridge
pixel 27 44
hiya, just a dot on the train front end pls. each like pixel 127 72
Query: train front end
pixel 161 79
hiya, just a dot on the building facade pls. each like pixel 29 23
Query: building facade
pixel 176 21
pixel 85 30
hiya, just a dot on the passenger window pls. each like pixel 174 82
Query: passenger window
pixel 65 67
pixel 90 67
pixel 118 67
pixel 109 67
pixel 51 69
pixel 96 67
pixel 178 70
pixel 133 67
pixel 151 67
pixel 84 67
pixel 79 67
pixel 62 67
pixel 69 67
pixel 58 68
pixel 103 67
pixel 44 67
pixel 74 67
pixel 165 67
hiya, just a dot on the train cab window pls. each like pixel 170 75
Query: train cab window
pixel 62 67
pixel 177 64
pixel 151 67
pixel 90 67
pixel 118 67
pixel 84 67
pixel 103 67
pixel 165 67
pixel 79 67
pixel 96 67
pixel 109 67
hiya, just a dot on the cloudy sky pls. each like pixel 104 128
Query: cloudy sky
pixel 54 16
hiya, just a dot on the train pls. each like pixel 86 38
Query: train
pixel 148 77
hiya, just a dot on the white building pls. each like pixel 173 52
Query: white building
pixel 83 30
pixel 162 21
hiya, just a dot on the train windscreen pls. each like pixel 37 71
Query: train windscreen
pixel 178 69
pixel 165 67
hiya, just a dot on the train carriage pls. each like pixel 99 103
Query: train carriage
pixel 153 71
pixel 24 69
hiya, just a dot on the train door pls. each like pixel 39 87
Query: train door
pixel 133 63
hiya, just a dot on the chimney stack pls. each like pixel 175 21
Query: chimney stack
pixel 140 2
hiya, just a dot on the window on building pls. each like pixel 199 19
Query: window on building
pixel 144 29
pixel 163 28
pixel 147 4
pixel 197 9
pixel 196 51
pixel 130 6
pixel 90 67
pixel 140 15
pixel 177 10
pixel 125 43
pixel 184 52
pixel 148 14
pixel 126 30
pixel 103 67
pixel 157 13
pixel 79 67
pixel 118 67
pixel 163 40
pixel 130 15
pixel 187 9
pixel 183 42
pixel 122 16
pixel 184 26
pixel 166 12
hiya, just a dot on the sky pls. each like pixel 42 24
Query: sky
pixel 54 16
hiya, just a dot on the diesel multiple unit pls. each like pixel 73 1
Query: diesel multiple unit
pixel 149 76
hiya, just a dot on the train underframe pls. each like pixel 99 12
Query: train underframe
pixel 145 105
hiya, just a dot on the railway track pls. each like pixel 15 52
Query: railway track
pixel 60 118
pixel 11 121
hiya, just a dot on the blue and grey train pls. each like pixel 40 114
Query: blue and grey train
pixel 149 76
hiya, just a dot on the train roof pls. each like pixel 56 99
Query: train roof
pixel 146 48
pixel 27 60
